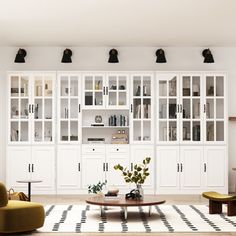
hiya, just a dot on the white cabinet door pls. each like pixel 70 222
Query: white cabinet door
pixel 43 162
pixel 168 167
pixel 191 167
pixel 140 152
pixel 18 166
pixel 216 166
pixel 68 167
pixel 92 169
pixel 116 155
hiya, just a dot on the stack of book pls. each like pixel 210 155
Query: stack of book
pixel 111 197
pixel 118 120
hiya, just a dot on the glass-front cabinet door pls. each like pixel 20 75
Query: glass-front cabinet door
pixel 31 107
pixel 19 108
pixel 167 108
pixel 142 108
pixel 43 107
pixel 94 90
pixel 190 108
pixel 215 108
pixel 68 108
pixel 117 91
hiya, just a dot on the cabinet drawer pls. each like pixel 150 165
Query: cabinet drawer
pixel 93 149
pixel 118 149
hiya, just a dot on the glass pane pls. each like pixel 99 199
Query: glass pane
pixel 186 108
pixel 210 86
pixel 47 131
pixel 210 108
pixel 48 87
pixel 64 130
pixel 88 98
pixel 98 98
pixel 64 109
pixel 146 86
pixel 210 130
pixel 38 131
pixel 219 131
pixel 196 86
pixel 74 131
pixel 38 91
pixel 122 99
pixel 122 82
pixel 172 108
pixel 172 87
pixel 64 86
pixel 162 88
pixel 74 108
pixel 219 86
pixel 172 131
pixel 136 86
pixel 186 86
pixel 137 108
pixel 112 83
pixel 163 131
pixel 147 108
pixel 14 108
pixel 14 131
pixel 163 108
pixel 196 131
pixel 24 113
pixel 98 83
pixel 38 107
pixel 74 86
pixel 196 109
pixel 24 87
pixel 15 86
pixel 48 109
pixel 24 131
pixel 88 83
pixel 186 131
pixel 137 131
pixel 220 108
pixel 112 98
pixel 147 131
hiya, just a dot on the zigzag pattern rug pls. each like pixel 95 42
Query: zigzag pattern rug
pixel 164 218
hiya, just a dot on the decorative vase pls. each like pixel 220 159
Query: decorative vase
pixel 139 192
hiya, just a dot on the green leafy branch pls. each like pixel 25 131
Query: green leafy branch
pixel 96 188
pixel 138 175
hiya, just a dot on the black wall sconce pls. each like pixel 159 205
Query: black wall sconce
pixel 67 54
pixel 208 57
pixel 113 56
pixel 20 56
pixel 160 56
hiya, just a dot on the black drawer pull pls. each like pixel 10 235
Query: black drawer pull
pixel 93 149
pixel 117 149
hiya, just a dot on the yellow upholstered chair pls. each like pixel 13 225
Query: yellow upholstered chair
pixel 19 216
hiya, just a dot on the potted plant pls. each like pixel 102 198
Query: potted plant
pixel 137 176
pixel 96 188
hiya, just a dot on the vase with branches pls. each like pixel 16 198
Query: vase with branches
pixel 137 176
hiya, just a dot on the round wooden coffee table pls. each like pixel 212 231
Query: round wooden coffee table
pixel 148 200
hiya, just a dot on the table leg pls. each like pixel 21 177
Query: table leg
pixel 29 191
pixel 150 211
pixel 125 212
pixel 102 211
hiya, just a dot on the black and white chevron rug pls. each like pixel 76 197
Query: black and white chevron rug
pixel 164 218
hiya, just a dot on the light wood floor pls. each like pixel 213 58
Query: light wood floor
pixel 80 199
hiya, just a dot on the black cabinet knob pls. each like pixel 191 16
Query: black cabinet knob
pixel 117 149
pixel 93 149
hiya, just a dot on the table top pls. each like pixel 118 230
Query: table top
pixel 148 200
pixel 29 181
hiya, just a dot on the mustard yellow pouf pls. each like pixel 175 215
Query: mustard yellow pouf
pixel 19 216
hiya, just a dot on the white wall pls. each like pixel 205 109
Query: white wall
pixel 131 58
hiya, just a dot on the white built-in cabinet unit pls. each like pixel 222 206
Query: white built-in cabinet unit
pixel 31 129
pixel 179 119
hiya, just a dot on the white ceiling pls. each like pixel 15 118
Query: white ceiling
pixel 117 23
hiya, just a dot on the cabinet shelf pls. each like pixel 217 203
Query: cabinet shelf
pixel 105 127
